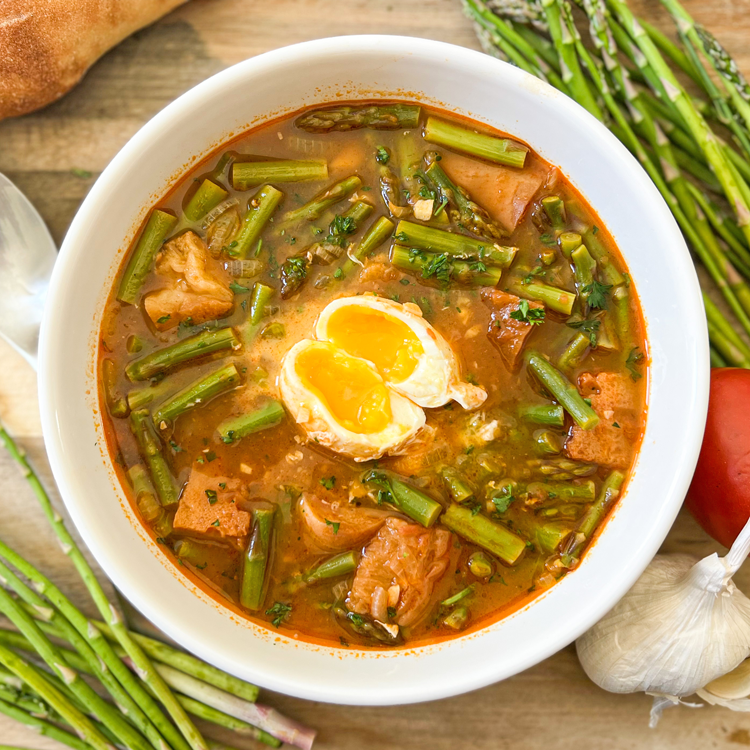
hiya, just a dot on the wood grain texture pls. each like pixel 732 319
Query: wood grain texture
pixel 552 706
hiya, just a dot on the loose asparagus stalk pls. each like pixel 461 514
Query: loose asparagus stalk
pixel 94 704
pixel 197 393
pixel 443 269
pixel 324 200
pixel 206 197
pixel 563 390
pixel 729 352
pixel 411 501
pixel 151 449
pixel 42 727
pixel 259 210
pixel 117 405
pixel 256 561
pixel 339 565
pixel 159 225
pixel 547 414
pixel 720 324
pixel 200 345
pixel 235 428
pixel 608 494
pixel 499 150
pixel 716 359
pixel 479 530
pixel 375 236
pixel 468 213
pixel 433 240
pixel 458 487
pixel 247 174
pixel 375 116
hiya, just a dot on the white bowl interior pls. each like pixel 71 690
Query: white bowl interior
pixel 492 92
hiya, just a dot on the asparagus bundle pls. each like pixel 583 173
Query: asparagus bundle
pixel 631 77
pixel 153 690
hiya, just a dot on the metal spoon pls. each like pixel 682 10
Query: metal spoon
pixel 27 255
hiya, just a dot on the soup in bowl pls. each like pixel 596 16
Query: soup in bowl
pixel 375 373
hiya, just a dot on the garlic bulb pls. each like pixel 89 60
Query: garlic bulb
pixel 681 626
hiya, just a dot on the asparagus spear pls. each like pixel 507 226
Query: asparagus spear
pixel 235 428
pixel 443 269
pixel 479 530
pixel 554 207
pixel 548 414
pixel 411 501
pixel 158 226
pixel 151 448
pixel 548 536
pixel 257 559
pixel 468 213
pixel 200 345
pixel 196 393
pixel 456 245
pixel 42 727
pixel 458 487
pixel 206 197
pixel 259 211
pixel 339 565
pixel 574 351
pixel 117 405
pixel 557 299
pixel 563 490
pixel 608 494
pixel 314 208
pixel 716 359
pixel 492 148
pixel 152 511
pixel 260 297
pixel 375 236
pixel 142 397
pixel 247 174
pixel 377 116
pixel 740 355
pixel 563 390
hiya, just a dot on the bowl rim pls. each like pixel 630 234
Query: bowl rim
pixel 56 437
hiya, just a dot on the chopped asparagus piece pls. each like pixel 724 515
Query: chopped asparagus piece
pixel 375 116
pixel 414 503
pixel 480 565
pixel 582 491
pixel 479 530
pixel 259 210
pixel 458 487
pixel 235 428
pixel 559 300
pixel 200 345
pixel 339 565
pixel 500 150
pixel 548 414
pixel 256 560
pixel 375 236
pixel 554 207
pixel 159 225
pixel 314 208
pixel 443 269
pixel 562 390
pixel 206 197
pixel 150 447
pixel 116 403
pixel 569 241
pixel 247 174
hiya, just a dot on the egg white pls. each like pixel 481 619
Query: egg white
pixel 315 418
pixel 436 380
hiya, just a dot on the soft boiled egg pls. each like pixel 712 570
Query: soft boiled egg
pixel 343 403
pixel 412 357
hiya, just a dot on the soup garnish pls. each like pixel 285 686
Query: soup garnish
pixel 373 375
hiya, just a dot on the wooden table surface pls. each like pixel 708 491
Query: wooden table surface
pixel 552 706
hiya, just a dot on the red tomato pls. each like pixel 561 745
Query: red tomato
pixel 719 496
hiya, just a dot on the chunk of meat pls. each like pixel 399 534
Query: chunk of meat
pixel 506 333
pixel 191 290
pixel 505 192
pixel 614 397
pixel 210 509
pixel 402 564
pixel 337 525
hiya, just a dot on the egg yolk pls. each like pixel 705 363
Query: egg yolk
pixel 354 394
pixel 380 338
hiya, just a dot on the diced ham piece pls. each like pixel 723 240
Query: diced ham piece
pixel 337 525
pixel 191 290
pixel 210 509
pixel 504 192
pixel 614 397
pixel 506 333
pixel 406 560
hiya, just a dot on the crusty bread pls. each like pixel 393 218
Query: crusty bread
pixel 47 45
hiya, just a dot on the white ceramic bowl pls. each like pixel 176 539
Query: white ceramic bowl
pixel 360 67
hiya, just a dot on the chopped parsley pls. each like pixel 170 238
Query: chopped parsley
pixel 338 273
pixel 547 239
pixel 212 497
pixel 334 525
pixel 438 266
pixel 238 288
pixel 633 363
pixel 502 502
pixel 210 456
pixel 176 448
pixel 328 483
pixel 614 424
pixel 476 509
pixel 597 294
pixel 471 378
pixel 217 522
pixel 538 271
pixel 382 156
pixel 426 193
pixel 527 314
pixel 357 620
pixel 391 612
pixel 405 282
pixel 402 237
pixel 163 319
pixel 587 326
pixel 280 612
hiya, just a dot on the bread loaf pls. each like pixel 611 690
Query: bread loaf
pixel 46 46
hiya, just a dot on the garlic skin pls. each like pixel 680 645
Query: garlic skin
pixel 682 625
